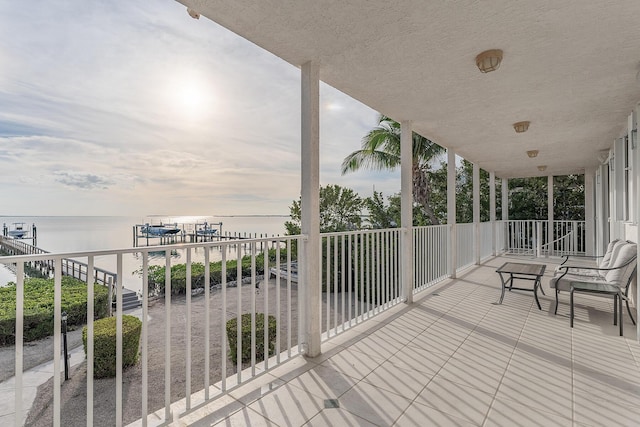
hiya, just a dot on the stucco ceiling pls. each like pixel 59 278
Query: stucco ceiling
pixel 569 67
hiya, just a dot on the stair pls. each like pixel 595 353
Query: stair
pixel 130 300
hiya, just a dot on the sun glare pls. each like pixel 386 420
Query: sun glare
pixel 191 97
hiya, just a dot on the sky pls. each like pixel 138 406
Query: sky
pixel 134 108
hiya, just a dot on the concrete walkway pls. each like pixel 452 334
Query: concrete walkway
pixel 32 379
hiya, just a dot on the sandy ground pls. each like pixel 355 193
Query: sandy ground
pixel 74 390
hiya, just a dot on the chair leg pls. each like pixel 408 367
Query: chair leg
pixel 620 312
pixel 615 309
pixel 626 300
pixel 570 305
pixel 556 309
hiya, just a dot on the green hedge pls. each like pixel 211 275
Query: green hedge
pixel 104 365
pixel 179 273
pixel 232 335
pixel 38 307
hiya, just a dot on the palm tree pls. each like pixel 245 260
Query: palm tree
pixel 381 150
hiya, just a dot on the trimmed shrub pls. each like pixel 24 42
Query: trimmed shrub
pixel 38 307
pixel 179 273
pixel 232 335
pixel 104 360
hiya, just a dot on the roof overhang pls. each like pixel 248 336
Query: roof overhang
pixel 569 68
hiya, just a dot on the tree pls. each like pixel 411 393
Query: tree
pixel 383 215
pixel 568 194
pixel 464 193
pixel 381 150
pixel 340 210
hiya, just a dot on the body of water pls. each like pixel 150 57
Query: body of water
pixel 63 234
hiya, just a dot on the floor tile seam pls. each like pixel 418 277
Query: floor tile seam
pixel 371 385
pixel 486 417
pixel 415 402
pixel 246 407
pixel 355 382
pixel 311 395
pixel 346 410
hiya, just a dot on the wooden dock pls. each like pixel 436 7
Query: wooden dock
pixel 72 268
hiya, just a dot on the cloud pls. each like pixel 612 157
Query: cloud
pixel 156 110
pixel 85 181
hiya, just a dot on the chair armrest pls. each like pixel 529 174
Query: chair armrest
pixel 566 257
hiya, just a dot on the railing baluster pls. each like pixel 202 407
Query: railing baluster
pixel 57 318
pixel 19 343
pixel 253 309
pixel 90 349
pixel 289 325
pixel 167 336
pixel 145 338
pixel 335 286
pixel 223 323
pixel 188 333
pixel 265 325
pixel 119 287
pixel 239 315
pixel 278 308
pixel 350 277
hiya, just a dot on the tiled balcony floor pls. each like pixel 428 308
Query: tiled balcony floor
pixel 454 358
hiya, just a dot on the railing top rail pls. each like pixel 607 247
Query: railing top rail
pixel 49 255
pixel 423 227
pixel 363 231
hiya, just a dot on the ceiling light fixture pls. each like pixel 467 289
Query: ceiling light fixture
pixel 192 13
pixel 542 168
pixel 532 153
pixel 489 60
pixel 521 126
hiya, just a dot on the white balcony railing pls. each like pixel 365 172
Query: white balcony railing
pixel 536 238
pixel 431 254
pixel 465 245
pixel 486 240
pixel 360 276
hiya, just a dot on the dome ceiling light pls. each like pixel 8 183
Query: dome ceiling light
pixel 532 153
pixel 489 60
pixel 542 168
pixel 521 126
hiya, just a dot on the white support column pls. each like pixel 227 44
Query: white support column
pixel 476 213
pixel 589 211
pixel 492 211
pixel 505 212
pixel 310 206
pixel 406 208
pixel 505 199
pixel 549 214
pixel 451 212
pixel 636 175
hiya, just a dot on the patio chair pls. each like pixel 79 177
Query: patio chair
pixel 619 272
pixel 601 261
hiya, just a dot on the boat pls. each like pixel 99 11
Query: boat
pixel 160 230
pixel 17 230
pixel 206 230
pixel 284 273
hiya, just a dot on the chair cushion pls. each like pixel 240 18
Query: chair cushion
pixel 625 254
pixel 607 256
